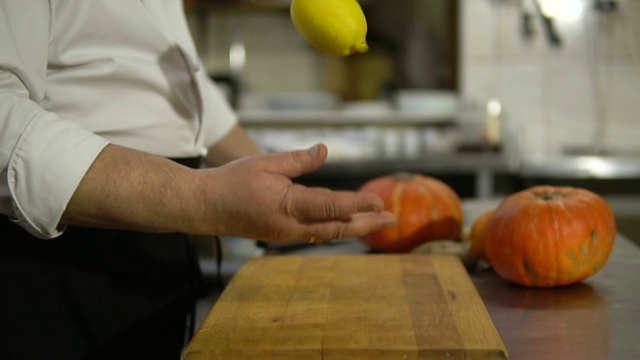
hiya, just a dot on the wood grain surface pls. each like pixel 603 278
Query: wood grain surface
pixel 349 307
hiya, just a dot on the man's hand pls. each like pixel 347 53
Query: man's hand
pixel 255 198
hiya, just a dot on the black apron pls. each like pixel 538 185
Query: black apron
pixel 92 293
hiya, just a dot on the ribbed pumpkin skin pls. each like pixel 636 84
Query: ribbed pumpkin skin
pixel 425 209
pixel 549 236
pixel 478 235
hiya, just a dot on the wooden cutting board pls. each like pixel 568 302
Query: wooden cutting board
pixel 349 307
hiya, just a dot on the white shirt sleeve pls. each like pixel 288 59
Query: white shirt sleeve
pixel 42 157
pixel 218 118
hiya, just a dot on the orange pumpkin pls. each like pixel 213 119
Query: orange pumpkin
pixel 478 235
pixel 549 236
pixel 425 209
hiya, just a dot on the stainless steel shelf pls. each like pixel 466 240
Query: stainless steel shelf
pixel 294 118
pixel 429 163
pixel 583 167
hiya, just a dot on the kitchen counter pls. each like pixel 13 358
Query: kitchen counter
pixel 596 319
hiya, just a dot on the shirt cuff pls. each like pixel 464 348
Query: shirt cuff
pixel 48 162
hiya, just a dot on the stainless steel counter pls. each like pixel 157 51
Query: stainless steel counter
pixel 596 319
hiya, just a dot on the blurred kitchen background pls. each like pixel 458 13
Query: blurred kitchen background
pixel 491 96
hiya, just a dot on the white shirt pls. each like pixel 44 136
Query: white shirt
pixel 76 75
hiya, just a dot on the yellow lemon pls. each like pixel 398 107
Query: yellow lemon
pixel 335 27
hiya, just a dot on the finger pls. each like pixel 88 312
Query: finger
pixel 319 203
pixel 323 189
pixel 295 163
pixel 359 225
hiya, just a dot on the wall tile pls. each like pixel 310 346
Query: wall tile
pixel 575 37
pixel 623 107
pixel 480 81
pixel 510 42
pixel 270 42
pixel 290 71
pixel 477 29
pixel 271 32
pixel 625 26
pixel 549 93
pixel 623 139
pixel 623 100
pixel 521 94
pixel 572 107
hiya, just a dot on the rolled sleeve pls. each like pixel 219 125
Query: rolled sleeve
pixel 44 168
pixel 43 157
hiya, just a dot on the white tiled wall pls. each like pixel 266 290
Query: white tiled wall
pixel 549 94
pixel 277 57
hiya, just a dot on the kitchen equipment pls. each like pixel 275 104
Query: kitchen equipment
pixel 289 101
pixel 373 306
pixel 428 101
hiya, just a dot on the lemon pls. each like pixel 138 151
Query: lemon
pixel 335 27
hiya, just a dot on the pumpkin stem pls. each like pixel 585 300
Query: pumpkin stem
pixel 403 175
pixel 549 196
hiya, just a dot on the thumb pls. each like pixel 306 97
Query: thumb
pixel 295 163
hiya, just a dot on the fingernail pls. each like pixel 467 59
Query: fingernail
pixel 315 151
pixel 388 218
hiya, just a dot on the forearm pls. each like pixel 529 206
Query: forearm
pixel 235 145
pixel 129 189
pixel 252 198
